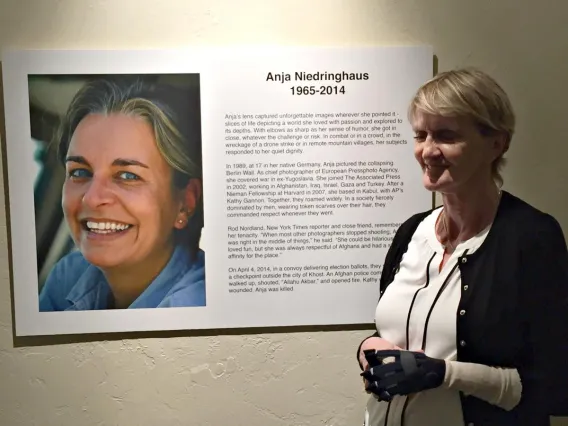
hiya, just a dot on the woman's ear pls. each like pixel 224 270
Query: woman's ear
pixel 190 198
pixel 501 144
pixel 192 194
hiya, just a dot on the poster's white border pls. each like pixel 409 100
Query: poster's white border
pixel 16 66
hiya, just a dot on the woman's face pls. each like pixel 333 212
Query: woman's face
pixel 452 153
pixel 117 196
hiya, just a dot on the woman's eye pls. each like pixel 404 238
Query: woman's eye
pixel 128 176
pixel 446 136
pixel 79 173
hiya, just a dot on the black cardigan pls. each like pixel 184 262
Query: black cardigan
pixel 515 298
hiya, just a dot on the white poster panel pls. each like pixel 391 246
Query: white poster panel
pixel 206 188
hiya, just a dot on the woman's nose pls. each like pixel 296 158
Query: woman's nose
pixel 430 148
pixel 98 193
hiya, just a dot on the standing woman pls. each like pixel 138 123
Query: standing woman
pixel 472 323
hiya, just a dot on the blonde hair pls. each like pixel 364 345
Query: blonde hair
pixel 470 93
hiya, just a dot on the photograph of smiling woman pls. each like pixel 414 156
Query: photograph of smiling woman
pixel 131 198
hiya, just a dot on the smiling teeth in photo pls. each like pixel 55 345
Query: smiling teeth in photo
pixel 106 227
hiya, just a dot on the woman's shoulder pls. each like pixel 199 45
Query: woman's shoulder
pixel 189 288
pixel 62 280
pixel 69 267
pixel 190 263
pixel 195 268
pixel 515 217
pixel 408 226
pixel 518 216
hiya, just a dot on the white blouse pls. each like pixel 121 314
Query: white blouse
pixel 420 306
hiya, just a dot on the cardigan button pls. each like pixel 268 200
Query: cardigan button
pixel 465 287
pixel 464 259
pixel 462 312
pixel 462 343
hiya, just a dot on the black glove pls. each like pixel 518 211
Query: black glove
pixel 374 362
pixel 410 372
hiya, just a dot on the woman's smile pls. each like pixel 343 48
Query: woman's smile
pixel 104 229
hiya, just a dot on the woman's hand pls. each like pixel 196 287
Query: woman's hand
pixel 404 373
pixel 376 344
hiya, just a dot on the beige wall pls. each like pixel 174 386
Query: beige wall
pixel 308 378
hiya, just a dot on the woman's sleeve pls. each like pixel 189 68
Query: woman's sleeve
pixel 498 386
pixel 544 371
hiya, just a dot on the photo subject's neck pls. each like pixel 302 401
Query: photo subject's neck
pixel 128 282
pixel 470 211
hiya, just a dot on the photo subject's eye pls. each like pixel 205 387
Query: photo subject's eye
pixel 128 176
pixel 79 173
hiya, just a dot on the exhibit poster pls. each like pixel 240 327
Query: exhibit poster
pixel 206 188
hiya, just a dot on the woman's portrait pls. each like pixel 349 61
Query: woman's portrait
pixel 472 321
pixel 119 202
